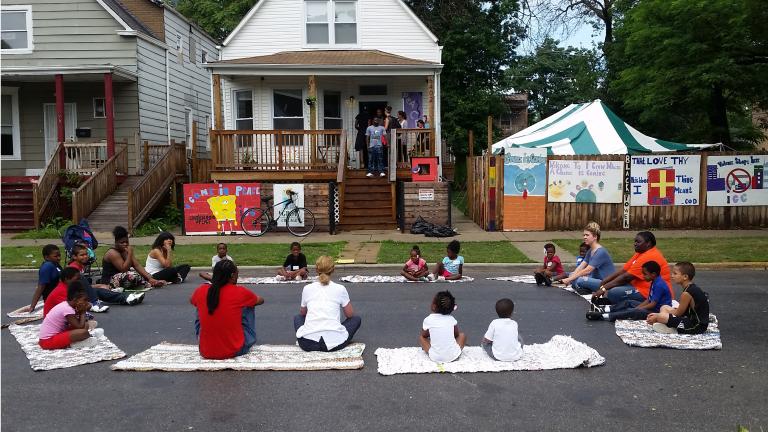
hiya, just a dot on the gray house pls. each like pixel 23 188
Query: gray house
pixel 98 75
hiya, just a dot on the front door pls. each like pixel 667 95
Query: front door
pixel 49 125
pixel 373 108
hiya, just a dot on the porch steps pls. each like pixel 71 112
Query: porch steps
pixel 17 205
pixel 113 210
pixel 367 203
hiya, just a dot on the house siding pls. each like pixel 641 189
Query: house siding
pixel 279 26
pixel 73 33
pixel 152 101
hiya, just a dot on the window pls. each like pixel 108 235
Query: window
pixel 288 109
pixel 332 110
pixel 16 28
pixel 331 22
pixel 9 122
pixel 203 56
pixel 243 110
pixel 373 90
pixel 192 49
pixel 99 108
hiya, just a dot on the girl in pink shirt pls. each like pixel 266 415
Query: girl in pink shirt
pixel 415 269
pixel 66 324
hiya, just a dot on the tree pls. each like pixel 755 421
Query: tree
pixel 217 17
pixel 686 68
pixel 554 77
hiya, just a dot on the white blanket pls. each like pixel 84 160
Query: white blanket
pixel 37 313
pixel 40 359
pixel 185 358
pixel 394 279
pixel 274 280
pixel 561 352
pixel 527 279
pixel 640 334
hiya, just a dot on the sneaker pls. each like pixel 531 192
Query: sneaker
pixel 179 279
pixel 97 332
pixel 382 175
pixel 595 308
pixel 441 278
pixel 584 291
pixel 99 307
pixel 663 328
pixel 85 343
pixel 369 175
pixel 424 279
pixel 134 299
pixel 600 301
pixel 594 316
pixel 431 277
pixel 280 278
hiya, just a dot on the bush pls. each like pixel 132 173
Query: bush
pixel 165 219
pixel 52 229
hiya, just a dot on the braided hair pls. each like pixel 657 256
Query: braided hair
pixel 444 302
pixel 222 273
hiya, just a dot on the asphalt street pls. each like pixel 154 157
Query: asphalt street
pixel 637 389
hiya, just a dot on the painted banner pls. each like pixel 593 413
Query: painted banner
pixel 585 181
pixel 412 103
pixel 665 180
pixel 212 208
pixel 738 180
pixel 281 210
pixel 525 172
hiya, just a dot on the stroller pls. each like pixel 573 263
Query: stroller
pixel 82 234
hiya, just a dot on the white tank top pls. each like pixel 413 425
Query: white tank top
pixel 153 266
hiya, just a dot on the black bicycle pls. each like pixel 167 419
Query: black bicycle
pixel 257 221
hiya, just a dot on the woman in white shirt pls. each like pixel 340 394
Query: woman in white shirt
pixel 160 260
pixel 318 324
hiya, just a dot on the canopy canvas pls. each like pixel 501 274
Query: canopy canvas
pixel 589 129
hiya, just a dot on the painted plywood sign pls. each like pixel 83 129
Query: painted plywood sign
pixel 211 208
pixel 585 181
pixel 738 180
pixel 525 172
pixel 665 180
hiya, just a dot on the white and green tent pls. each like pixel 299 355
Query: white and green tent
pixel 589 129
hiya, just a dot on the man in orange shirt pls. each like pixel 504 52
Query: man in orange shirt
pixel 628 283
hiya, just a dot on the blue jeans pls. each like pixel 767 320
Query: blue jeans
pixel 249 329
pixel 627 309
pixel 375 159
pixel 352 324
pixel 587 282
pixel 624 292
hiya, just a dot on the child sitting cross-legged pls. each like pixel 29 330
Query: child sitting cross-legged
pixel 440 336
pixel 659 296
pixel 502 341
pixel 415 269
pixel 221 254
pixel 66 323
pixel 583 249
pixel 552 267
pixel 294 266
pixel 691 316
pixel 452 266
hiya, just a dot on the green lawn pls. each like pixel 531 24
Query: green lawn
pixel 194 255
pixel 478 252
pixel 701 250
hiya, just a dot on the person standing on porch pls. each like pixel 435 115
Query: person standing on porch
pixel 375 148
pixel 362 121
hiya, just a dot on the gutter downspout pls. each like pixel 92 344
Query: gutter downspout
pixel 438 121
pixel 167 97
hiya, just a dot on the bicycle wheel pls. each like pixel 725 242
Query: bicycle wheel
pixel 255 221
pixel 300 221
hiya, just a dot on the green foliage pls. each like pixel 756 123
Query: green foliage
pixel 217 17
pixel 165 219
pixel 69 182
pixel 53 229
pixel 555 77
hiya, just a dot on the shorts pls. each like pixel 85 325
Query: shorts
pixel 689 326
pixel 59 341
pixel 446 274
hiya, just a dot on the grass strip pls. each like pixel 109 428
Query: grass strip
pixel 478 252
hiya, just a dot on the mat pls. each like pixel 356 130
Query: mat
pixel 640 334
pixel 273 280
pixel 40 359
pixel 527 279
pixel 394 279
pixel 561 352
pixel 186 358
pixel 37 313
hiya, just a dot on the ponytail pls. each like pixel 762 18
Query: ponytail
pixel 325 268
pixel 222 273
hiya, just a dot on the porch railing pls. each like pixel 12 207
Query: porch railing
pixel 413 143
pixel 87 158
pixel 284 150
pixel 99 186
pixel 149 191
pixel 44 194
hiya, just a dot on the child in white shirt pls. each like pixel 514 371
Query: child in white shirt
pixel 440 336
pixel 221 254
pixel 502 342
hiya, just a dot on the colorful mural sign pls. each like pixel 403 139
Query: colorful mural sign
pixel 585 181
pixel 281 193
pixel 666 180
pixel 738 180
pixel 412 106
pixel 525 172
pixel 213 208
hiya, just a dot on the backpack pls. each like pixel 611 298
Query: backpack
pixel 394 123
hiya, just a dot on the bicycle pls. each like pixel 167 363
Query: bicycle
pixel 257 221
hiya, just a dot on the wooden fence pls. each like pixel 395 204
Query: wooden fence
pixel 150 190
pixel 316 198
pixel 430 201
pixel 45 191
pixel 485 191
pixel 100 185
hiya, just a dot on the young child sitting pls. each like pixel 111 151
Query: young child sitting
pixel 47 275
pixel 440 336
pixel 658 296
pixel 583 249
pixel 452 266
pixel 502 342
pixel 221 254
pixel 415 269
pixel 59 294
pixel 99 293
pixel 66 324
pixel 295 265
pixel 693 310
pixel 552 267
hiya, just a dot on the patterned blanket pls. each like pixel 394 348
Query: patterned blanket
pixel 186 358
pixel 274 280
pixel 37 313
pixel 640 334
pixel 40 359
pixel 394 279
pixel 527 279
pixel 561 352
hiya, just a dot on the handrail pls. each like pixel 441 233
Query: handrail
pixel 86 157
pixel 99 186
pixel 144 196
pixel 45 188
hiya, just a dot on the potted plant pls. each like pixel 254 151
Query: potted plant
pixel 247 160
pixel 311 100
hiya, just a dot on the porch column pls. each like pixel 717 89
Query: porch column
pixel 312 92
pixel 218 120
pixel 60 131
pixel 108 107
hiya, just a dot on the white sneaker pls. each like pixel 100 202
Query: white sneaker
pixel 431 277
pixel 85 343
pixel 97 332
pixel 662 328
pixel 441 278
pixel 382 175
pixel 280 278
pixel 99 307
pixel 134 298
pixel 369 175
